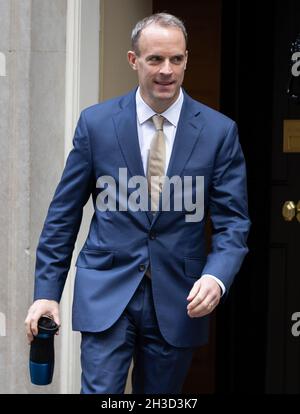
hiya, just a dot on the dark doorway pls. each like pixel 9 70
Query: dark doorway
pixel 247 97
pixel 283 348
pixel 256 352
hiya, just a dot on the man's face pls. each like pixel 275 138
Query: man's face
pixel 160 65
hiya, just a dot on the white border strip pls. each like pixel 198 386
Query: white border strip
pixel 72 101
pixel 82 90
pixel 73 51
pixel 2 64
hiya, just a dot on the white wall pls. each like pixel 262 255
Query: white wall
pixel 82 90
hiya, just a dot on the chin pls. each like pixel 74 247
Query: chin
pixel 165 95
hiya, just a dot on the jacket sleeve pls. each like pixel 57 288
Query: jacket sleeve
pixel 57 240
pixel 229 210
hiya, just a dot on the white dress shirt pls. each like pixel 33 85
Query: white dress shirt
pixel 146 129
pixel 146 132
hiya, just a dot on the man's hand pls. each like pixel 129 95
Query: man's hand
pixel 204 297
pixel 37 309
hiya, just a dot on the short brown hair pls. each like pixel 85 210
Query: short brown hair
pixel 162 19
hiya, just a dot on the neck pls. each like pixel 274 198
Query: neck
pixel 160 105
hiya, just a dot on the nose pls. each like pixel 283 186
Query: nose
pixel 166 67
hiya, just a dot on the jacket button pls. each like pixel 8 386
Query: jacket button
pixel 152 236
pixel 142 267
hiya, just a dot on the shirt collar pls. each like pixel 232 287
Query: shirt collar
pixel 144 112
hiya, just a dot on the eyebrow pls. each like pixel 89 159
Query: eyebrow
pixel 152 56
pixel 161 57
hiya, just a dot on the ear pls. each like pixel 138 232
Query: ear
pixel 132 58
pixel 186 59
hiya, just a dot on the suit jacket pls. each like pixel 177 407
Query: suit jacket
pixel 121 244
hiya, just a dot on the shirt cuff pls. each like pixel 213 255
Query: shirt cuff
pixel 221 284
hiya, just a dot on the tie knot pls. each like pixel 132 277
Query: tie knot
pixel 158 121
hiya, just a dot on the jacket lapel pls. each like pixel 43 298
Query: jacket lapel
pixel 126 129
pixel 125 123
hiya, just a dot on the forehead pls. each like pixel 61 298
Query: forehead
pixel 160 39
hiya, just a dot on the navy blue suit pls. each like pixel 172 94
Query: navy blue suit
pixel 120 245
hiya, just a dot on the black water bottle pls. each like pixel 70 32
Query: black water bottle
pixel 41 359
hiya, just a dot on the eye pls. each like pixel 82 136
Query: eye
pixel 177 59
pixel 154 59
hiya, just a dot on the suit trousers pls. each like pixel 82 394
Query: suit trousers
pixel 159 368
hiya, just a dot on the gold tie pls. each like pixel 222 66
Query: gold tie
pixel 156 162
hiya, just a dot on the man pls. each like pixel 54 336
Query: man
pixel 144 286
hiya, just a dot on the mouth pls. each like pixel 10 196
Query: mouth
pixel 164 83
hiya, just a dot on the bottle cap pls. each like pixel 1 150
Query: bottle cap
pixel 47 325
